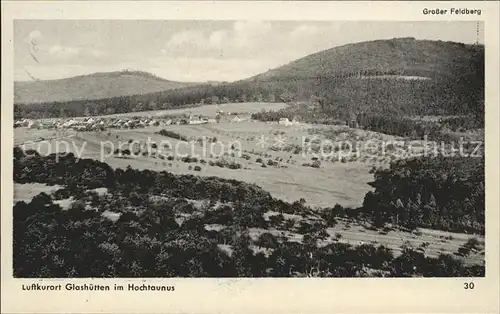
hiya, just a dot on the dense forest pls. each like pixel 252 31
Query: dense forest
pixel 147 240
pixel 444 193
pixel 338 96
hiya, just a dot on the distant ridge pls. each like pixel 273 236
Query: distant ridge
pixel 92 87
pixel 400 76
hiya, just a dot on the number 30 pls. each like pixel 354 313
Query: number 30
pixel 468 285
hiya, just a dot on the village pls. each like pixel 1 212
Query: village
pixel 101 123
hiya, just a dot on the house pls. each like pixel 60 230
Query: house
pixel 197 121
pixel 236 119
pixel 284 121
pixel 45 124
pixel 194 120
pixel 68 123
pixel 211 120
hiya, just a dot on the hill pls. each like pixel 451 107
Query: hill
pixel 401 76
pixel 398 56
pixel 92 87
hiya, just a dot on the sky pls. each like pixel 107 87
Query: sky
pixel 197 51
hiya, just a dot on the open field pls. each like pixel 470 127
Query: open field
pixel 25 192
pixel 26 135
pixel 334 182
pixel 205 110
pixel 271 155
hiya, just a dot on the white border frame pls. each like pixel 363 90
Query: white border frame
pixel 260 295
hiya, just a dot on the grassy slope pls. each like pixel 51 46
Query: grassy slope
pixel 93 86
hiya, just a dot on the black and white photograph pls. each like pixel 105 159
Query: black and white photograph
pixel 248 148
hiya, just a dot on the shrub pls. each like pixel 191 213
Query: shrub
pixel 316 164
pixel 173 135
pixel 270 162
pixel 234 166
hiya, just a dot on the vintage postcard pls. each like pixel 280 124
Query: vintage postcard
pixel 250 157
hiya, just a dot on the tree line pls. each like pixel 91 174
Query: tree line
pixel 445 193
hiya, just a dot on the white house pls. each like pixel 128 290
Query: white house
pixel 195 120
pixel 236 119
pixel 284 121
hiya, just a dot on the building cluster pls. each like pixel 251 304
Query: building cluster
pixel 102 123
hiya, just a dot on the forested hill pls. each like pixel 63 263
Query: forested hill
pixel 92 87
pixel 401 77
pixel 399 56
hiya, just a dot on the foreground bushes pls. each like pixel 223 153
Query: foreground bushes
pixel 147 241
pixel 50 243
